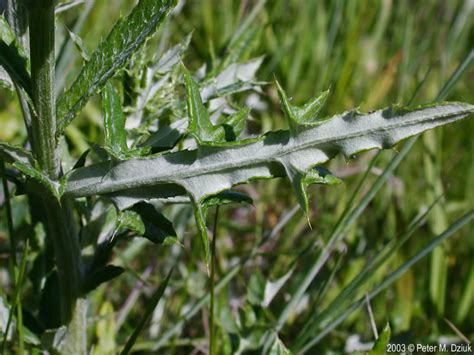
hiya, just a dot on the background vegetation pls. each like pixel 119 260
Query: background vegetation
pixel 370 54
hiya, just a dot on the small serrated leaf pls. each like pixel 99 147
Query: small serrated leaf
pixel 300 180
pixel 80 46
pixel 157 228
pixel 234 124
pixel 114 126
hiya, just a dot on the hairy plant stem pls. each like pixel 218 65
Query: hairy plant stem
pixel 59 213
pixel 41 21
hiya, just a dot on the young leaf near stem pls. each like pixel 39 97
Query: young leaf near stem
pixel 111 55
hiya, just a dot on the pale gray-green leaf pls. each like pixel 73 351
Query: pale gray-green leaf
pixel 234 78
pixel 209 170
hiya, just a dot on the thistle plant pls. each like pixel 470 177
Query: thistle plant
pixel 170 135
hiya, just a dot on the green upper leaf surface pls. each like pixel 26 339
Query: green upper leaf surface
pixel 112 54
pixel 211 169
pixel 13 57
pixel 114 123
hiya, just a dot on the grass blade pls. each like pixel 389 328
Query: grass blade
pixel 148 313
pixel 362 277
pixel 327 328
pixel 16 301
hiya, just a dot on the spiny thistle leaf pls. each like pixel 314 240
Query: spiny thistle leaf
pixel 200 125
pixel 208 170
pixel 300 180
pixel 111 55
pixel 298 116
pixel 13 57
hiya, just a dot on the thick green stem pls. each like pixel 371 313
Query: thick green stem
pixel 41 22
pixel 60 220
